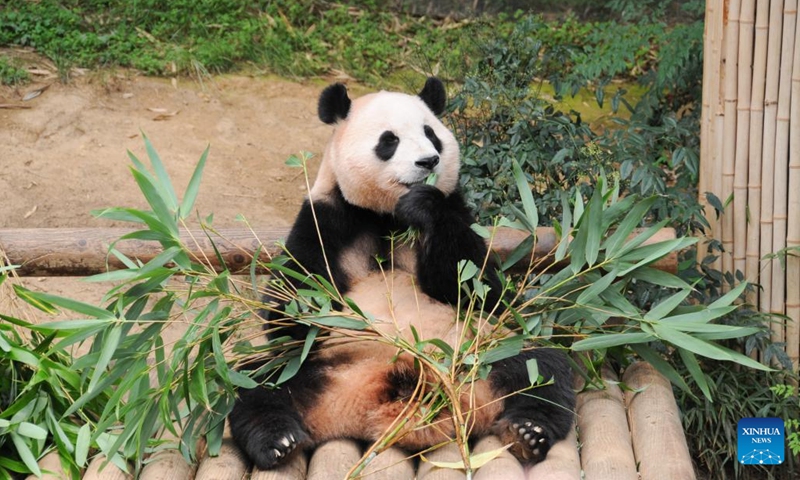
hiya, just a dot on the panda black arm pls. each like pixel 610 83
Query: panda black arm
pixel 445 223
pixel 337 225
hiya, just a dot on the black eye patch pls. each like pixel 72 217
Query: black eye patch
pixel 387 145
pixel 437 144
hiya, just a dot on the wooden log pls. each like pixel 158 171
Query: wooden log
pixel 562 462
pixel 333 460
pixel 390 464
pixel 84 251
pixel 230 464
pixel 99 469
pixel 446 453
pixel 295 468
pixel 504 466
pixel 659 443
pixel 606 451
pixel 167 465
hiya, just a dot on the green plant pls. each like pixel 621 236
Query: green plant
pixel 11 74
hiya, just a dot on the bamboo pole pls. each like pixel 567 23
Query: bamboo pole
pixel 230 464
pixel 781 183
pixel 712 60
pixel 607 451
pixel 744 90
pixel 83 251
pixel 390 464
pixel 793 224
pixel 729 92
pixel 656 425
pixel 753 265
pixel 167 464
pixel 768 154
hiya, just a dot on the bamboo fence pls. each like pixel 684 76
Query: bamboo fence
pixel 750 150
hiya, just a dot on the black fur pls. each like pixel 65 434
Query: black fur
pixel 437 144
pixel 334 104
pixel 434 95
pixel 387 145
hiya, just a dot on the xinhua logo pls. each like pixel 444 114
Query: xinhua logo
pixel 761 441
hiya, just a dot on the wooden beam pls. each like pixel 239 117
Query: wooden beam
pixel 84 251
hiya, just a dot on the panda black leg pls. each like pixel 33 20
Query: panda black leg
pixel 535 418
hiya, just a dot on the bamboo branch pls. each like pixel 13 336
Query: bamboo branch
pixel 730 88
pixel 793 225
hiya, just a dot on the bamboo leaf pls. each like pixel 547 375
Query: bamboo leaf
pixel 110 343
pixel 532 366
pixel 704 348
pixel 596 288
pixel 27 429
pixel 608 340
pixel 166 220
pixel 163 182
pixel 82 445
pixel 594 227
pixel 531 212
pixel 25 454
pixel 659 278
pixel 475 461
pixel 625 228
pixel 190 195
pixel 667 305
pixel 662 366
pixel 729 297
pixel 696 372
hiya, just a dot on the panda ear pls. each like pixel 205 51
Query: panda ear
pixel 334 104
pixel 433 95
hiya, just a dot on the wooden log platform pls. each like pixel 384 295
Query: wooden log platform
pixel 635 435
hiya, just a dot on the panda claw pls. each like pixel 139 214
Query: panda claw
pixel 531 440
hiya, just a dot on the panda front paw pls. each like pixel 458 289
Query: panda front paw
pixel 419 207
pixel 529 441
pixel 271 441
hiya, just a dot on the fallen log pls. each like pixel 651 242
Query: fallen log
pixel 85 251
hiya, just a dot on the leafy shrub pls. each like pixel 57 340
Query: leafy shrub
pixel 10 74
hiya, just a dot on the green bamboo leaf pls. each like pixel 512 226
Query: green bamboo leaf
pixel 594 227
pixel 110 344
pixel 190 195
pixel 667 305
pixel 475 461
pixel 577 213
pixel 662 366
pixel 531 212
pixel 704 348
pixel 729 297
pixel 241 380
pixel 608 340
pixel 466 270
pixel 641 237
pixel 82 444
pixel 506 348
pixel 659 278
pixel 339 322
pixel 30 430
pixel 163 182
pixel 690 360
pixel 596 288
pixel 566 225
pixel 625 228
pixel 166 220
pixel 73 305
pixel 699 316
pixel 650 253
pixel 520 251
pixel 25 454
pixel 532 366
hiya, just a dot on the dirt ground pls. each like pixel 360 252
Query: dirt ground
pixel 65 153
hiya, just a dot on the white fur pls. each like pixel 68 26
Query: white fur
pixel 367 181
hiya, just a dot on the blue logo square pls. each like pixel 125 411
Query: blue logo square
pixel 760 441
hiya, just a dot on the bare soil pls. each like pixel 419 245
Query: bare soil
pixel 65 153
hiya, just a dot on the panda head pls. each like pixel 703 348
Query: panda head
pixel 383 143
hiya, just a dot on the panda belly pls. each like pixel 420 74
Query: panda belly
pixel 369 382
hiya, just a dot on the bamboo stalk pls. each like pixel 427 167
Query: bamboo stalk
pixel 229 464
pixel 562 462
pixel 793 225
pixel 781 183
pixel 504 466
pixel 756 144
pixel 709 144
pixel 294 468
pixel 448 453
pixel 730 88
pixel 768 153
pixel 746 22
pixel 333 459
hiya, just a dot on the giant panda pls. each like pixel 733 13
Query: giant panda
pixel 371 185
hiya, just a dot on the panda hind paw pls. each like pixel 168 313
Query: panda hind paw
pixel 529 440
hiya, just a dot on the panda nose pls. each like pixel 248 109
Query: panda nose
pixel 428 162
